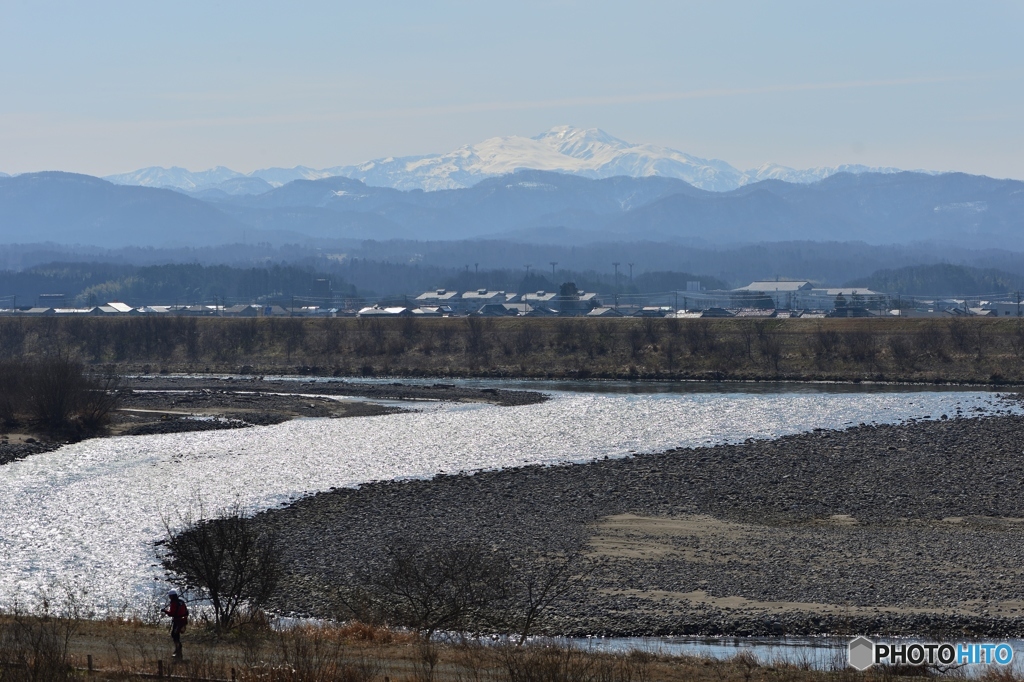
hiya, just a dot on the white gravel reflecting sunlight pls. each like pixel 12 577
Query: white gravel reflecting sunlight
pixel 84 517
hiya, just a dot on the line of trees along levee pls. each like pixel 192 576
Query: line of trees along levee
pixel 939 349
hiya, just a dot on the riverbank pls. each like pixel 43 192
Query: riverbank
pixel 134 649
pixel 912 529
pixel 167 404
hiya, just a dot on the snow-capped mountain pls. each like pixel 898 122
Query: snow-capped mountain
pixel 773 171
pixel 591 153
pixel 174 177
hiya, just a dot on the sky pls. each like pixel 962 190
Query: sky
pixel 106 87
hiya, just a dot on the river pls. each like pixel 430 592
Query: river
pixel 84 518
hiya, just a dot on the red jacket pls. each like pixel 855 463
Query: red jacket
pixel 178 612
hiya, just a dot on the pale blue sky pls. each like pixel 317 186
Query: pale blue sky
pixel 103 87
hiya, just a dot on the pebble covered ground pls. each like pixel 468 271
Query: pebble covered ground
pixel 915 528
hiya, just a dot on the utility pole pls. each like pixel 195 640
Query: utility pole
pixel 630 273
pixel 476 268
pixel 553 264
pixel 616 281
pixel 1018 304
pixel 677 301
pixel 527 266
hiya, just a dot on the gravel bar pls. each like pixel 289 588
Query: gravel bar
pixel 910 529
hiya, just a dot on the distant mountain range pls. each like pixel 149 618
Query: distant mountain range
pixel 526 206
pixel 590 153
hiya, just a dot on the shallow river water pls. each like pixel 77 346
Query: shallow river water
pixel 84 517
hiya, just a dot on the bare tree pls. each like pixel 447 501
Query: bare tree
pixel 960 334
pixel 540 582
pixel 229 560
pixel 652 327
pixel 54 391
pixel 476 340
pixel 769 342
pixel 101 398
pixel 825 343
pixel 635 341
pixel 860 344
pixel 698 336
pixel 902 351
pixel 429 588
pixel 1016 339
pixel 12 382
pixel 526 338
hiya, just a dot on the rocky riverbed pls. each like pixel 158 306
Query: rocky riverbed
pixel 907 529
pixel 395 390
pixel 21 447
pixel 163 404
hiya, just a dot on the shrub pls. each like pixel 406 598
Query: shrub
pixel 11 392
pixel 902 352
pixel 860 345
pixel 769 342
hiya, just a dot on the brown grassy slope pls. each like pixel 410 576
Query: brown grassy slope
pixel 976 350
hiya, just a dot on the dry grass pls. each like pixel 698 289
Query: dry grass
pixel 128 649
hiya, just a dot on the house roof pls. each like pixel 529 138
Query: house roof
pixel 482 294
pixel 539 296
pixel 775 286
pixel 848 291
pixel 498 310
pixel 374 310
pixel 604 311
pixel 429 311
pixel 438 295
pixel 756 312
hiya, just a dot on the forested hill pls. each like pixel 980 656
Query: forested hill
pixel 942 279
pixel 97 283
pixel 527 206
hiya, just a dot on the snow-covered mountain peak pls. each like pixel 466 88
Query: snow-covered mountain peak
pixel 581 143
pixel 590 152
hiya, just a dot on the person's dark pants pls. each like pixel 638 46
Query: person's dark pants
pixel 176 629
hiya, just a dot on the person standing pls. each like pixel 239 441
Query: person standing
pixel 179 619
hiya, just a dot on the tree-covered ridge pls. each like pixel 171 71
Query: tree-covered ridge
pixel 941 279
pixel 97 283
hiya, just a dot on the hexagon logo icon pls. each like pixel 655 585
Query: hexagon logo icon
pixel 862 653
